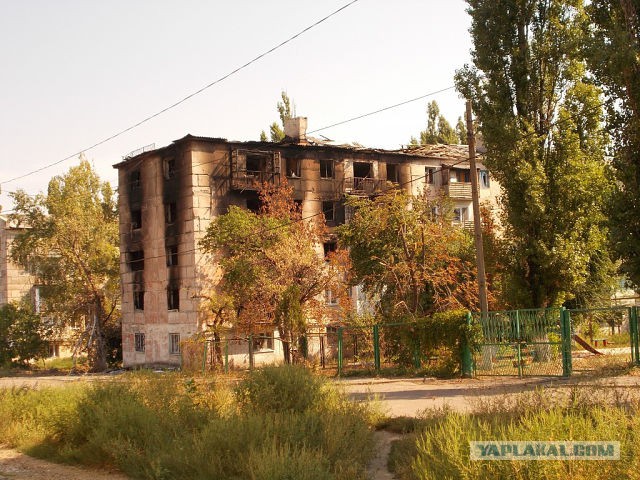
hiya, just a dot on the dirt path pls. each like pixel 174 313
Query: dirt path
pixel 16 466
pixel 378 467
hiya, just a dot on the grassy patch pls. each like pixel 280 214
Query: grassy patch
pixel 440 448
pixel 277 423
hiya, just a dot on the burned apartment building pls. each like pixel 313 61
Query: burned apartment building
pixel 168 196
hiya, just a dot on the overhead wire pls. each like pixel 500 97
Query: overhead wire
pixel 189 96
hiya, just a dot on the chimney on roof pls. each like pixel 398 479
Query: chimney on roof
pixel 295 129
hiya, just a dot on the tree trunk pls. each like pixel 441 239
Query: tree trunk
pixel 97 351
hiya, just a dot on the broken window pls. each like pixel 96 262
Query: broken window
pixel 134 179
pixel 484 179
pixel 293 167
pixel 457 175
pixel 460 214
pixel 329 247
pixel 170 212
pixel 330 298
pixel 429 174
pixel 136 219
pixel 392 172
pixel 136 261
pixel 174 344
pixel 326 169
pixel 254 163
pixel 362 170
pixel 172 256
pixel 138 341
pixel 262 341
pixel 328 209
pixel 169 166
pixel 173 298
pixel 138 299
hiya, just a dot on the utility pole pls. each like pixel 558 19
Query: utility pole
pixel 477 225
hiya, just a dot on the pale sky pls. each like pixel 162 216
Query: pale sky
pixel 75 72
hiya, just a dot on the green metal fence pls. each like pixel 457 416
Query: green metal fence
pixel 556 341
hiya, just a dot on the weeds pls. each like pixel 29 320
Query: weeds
pixel 279 423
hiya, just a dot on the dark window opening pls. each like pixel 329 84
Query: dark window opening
pixel 136 260
pixel 170 212
pixel 429 173
pixel 293 168
pixel 460 214
pixel 298 205
pixel 362 170
pixel 484 179
pixel 138 300
pixel 328 209
pixel 139 342
pixel 392 172
pixel 326 169
pixel 329 247
pixel 136 219
pixel 134 179
pixel 173 298
pixel 170 168
pixel 462 176
pixel 254 163
pixel 174 343
pixel 172 256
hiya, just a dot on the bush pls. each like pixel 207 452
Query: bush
pixel 170 426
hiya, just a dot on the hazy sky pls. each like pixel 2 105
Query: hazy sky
pixel 75 72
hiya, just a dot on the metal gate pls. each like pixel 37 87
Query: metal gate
pixel 523 343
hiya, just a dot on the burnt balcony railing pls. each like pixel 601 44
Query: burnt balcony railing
pixel 363 185
pixel 252 179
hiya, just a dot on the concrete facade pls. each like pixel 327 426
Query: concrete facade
pixel 168 196
pixel 15 282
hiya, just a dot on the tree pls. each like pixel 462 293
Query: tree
pixel 613 51
pixel 22 334
pixel 284 111
pixel 71 247
pixel 461 131
pixel 438 130
pixel 541 123
pixel 273 276
pixel 414 261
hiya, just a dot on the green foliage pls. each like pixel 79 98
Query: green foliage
pixel 613 52
pixel 438 130
pixel 71 247
pixel 541 122
pixel 276 131
pixel 441 447
pixel 22 335
pixel 168 426
pixel 412 261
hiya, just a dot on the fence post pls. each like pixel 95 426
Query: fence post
pixel 339 351
pixel 250 351
pixel 376 347
pixel 633 327
pixel 518 345
pixel 417 363
pixel 226 356
pixel 204 357
pixel 565 329
pixel 467 358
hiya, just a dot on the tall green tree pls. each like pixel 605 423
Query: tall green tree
pixel 71 247
pixel 273 276
pixel 407 254
pixel 541 123
pixel 439 130
pixel 613 51
pixel 276 130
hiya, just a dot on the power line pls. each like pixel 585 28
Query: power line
pixel 191 95
pixel 383 109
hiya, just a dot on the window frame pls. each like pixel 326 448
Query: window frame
pixel 138 300
pixel 136 218
pixel 173 298
pixel 139 342
pixel 331 170
pixel 174 343
pixel 172 255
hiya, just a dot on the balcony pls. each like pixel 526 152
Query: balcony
pixel 363 186
pixel 252 179
pixel 459 190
